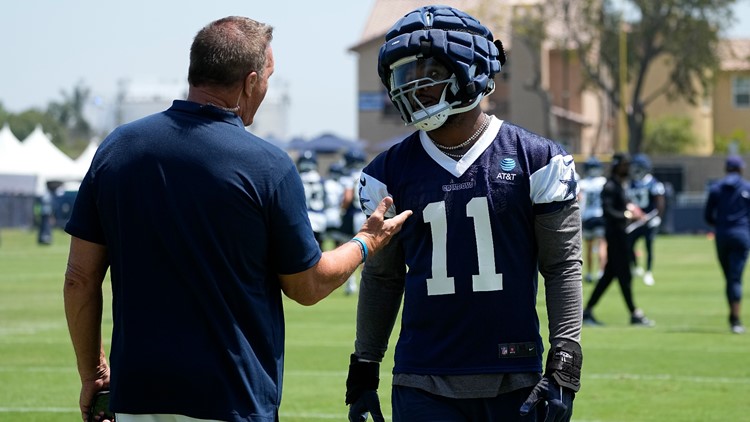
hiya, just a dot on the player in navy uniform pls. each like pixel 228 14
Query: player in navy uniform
pixel 493 204
pixel 648 194
pixel 728 211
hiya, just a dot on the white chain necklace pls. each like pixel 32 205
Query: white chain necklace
pixel 453 155
pixel 471 139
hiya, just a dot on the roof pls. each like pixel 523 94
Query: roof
pixel 734 54
pixel 385 13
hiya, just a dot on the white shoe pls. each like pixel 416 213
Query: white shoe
pixel 648 279
pixel 638 272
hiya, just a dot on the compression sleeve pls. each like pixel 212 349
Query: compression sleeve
pixel 381 290
pixel 559 239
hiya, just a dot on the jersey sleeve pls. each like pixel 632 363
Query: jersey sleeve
pixel 658 189
pixel 372 189
pixel 84 222
pixel 555 183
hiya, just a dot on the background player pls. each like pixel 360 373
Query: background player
pixel 592 217
pixel 649 195
pixel 315 194
pixel 334 198
pixel 618 213
pixel 493 204
pixel 728 210
pixel 353 217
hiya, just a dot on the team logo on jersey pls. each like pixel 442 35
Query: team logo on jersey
pixel 507 165
pixel 570 184
pixel 458 186
pixel 362 199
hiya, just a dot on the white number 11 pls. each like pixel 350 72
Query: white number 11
pixel 487 280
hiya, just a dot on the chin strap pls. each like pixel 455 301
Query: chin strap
pixel 564 362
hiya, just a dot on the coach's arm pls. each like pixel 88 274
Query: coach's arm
pixel 87 266
pixel 334 267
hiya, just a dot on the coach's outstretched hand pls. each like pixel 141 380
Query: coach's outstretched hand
pixel 558 401
pixel 377 230
pixel 362 390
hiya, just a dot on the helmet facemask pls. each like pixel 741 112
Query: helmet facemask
pixel 415 91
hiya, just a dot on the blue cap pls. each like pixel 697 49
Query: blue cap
pixel 734 162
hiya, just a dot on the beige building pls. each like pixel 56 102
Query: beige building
pixel 730 103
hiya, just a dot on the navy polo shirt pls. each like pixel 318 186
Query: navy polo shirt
pixel 198 217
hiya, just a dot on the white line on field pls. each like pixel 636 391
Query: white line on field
pixel 39 409
pixel 342 374
pixel 668 377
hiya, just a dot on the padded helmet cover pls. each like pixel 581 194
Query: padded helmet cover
pixel 452 37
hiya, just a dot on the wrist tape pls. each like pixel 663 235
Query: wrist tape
pixel 363 376
pixel 564 362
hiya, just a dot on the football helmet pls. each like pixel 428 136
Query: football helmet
pixel 640 166
pixel 438 46
pixel 354 159
pixel 336 169
pixel 307 161
pixel 592 167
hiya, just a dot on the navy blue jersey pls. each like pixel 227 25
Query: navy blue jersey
pixel 643 192
pixel 728 208
pixel 470 249
pixel 198 217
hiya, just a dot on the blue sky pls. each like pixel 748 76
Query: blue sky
pixel 51 45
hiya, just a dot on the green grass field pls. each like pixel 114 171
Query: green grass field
pixel 687 368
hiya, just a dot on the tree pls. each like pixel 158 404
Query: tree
pixel 737 142
pixel 684 31
pixel 668 135
pixel 22 124
pixel 70 112
pixel 64 121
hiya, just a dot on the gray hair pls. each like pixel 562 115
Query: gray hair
pixel 226 50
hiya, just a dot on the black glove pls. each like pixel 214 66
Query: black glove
pixel 368 402
pixel 558 401
pixel 561 380
pixel 362 390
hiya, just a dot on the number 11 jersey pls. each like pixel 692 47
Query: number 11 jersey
pixel 470 247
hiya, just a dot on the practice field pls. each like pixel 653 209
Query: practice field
pixel 689 367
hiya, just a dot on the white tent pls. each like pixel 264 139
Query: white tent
pixel 83 161
pixel 8 141
pixel 46 160
pixel 12 154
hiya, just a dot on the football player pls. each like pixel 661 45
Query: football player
pixel 592 217
pixel 619 214
pixel 647 193
pixel 315 194
pixel 494 205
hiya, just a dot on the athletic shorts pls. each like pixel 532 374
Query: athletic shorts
pixel 593 228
